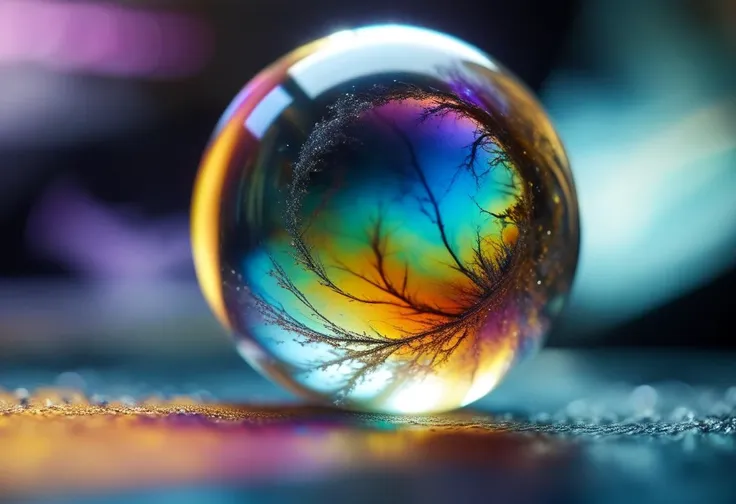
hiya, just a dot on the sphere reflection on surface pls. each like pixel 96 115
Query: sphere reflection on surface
pixel 386 220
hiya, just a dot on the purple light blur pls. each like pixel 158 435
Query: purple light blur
pixel 92 239
pixel 101 38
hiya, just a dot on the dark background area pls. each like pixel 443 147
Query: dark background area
pixel 98 159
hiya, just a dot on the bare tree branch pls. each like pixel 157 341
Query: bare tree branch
pixel 487 271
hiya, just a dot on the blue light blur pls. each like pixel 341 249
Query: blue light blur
pixel 651 133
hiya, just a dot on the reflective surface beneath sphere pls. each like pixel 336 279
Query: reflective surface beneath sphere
pixel 386 220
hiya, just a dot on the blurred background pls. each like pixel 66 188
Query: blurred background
pixel 106 107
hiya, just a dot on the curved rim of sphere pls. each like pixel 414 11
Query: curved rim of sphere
pixel 245 112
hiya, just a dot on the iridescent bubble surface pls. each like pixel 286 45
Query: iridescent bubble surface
pixel 386 220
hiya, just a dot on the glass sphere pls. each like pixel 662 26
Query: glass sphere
pixel 386 220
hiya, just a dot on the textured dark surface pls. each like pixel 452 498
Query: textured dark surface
pixel 566 427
